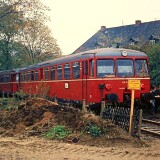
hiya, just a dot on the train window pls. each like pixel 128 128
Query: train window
pixel 32 75
pixel 67 71
pixel 76 70
pixel 21 75
pixel 17 77
pixel 1 78
pixel 105 68
pixel 5 78
pixel 36 75
pixel 91 64
pixel 24 76
pixel 59 72
pixel 85 67
pixel 41 73
pixel 28 76
pixel 141 68
pixel 53 73
pixel 46 71
pixel 125 68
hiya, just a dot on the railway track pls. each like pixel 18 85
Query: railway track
pixel 151 126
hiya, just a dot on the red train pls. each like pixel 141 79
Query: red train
pixel 93 76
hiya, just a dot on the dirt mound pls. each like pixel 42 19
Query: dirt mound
pixel 37 116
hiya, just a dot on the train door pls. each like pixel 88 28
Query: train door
pixel 41 74
pixel 84 80
pixel 15 82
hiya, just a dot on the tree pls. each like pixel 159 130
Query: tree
pixel 153 52
pixel 22 24
pixel 40 45
pixel 9 27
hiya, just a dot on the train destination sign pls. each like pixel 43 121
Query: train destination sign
pixel 134 84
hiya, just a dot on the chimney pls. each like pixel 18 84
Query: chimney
pixel 103 28
pixel 138 22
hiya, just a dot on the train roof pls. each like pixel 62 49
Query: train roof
pixel 9 71
pixel 110 52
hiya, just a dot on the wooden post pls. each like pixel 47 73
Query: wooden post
pixel 102 108
pixel 7 94
pixel 131 112
pixel 2 94
pixel 13 94
pixel 84 105
pixel 55 99
pixel 140 123
pixel 132 85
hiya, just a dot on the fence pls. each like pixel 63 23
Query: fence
pixel 121 116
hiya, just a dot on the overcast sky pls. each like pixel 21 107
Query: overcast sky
pixel 74 21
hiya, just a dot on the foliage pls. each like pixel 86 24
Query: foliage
pixel 93 130
pixel 58 132
pixel 8 103
pixel 20 94
pixel 40 45
pixel 23 34
pixel 153 52
pixel 42 90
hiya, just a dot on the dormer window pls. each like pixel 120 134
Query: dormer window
pixel 132 43
pixel 152 41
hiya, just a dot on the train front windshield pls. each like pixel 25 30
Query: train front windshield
pixel 122 68
pixel 105 68
pixel 125 68
pixel 141 68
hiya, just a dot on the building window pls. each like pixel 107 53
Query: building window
pixel 67 71
pixel 132 43
pixel 152 41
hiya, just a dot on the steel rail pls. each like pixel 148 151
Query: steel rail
pixel 153 128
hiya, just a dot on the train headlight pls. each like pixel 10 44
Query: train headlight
pixel 124 53
pixel 108 87
pixel 142 86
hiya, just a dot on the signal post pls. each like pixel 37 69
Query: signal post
pixel 132 85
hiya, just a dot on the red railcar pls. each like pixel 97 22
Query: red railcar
pixel 9 82
pixel 93 76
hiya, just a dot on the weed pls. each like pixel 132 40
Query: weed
pixel 58 132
